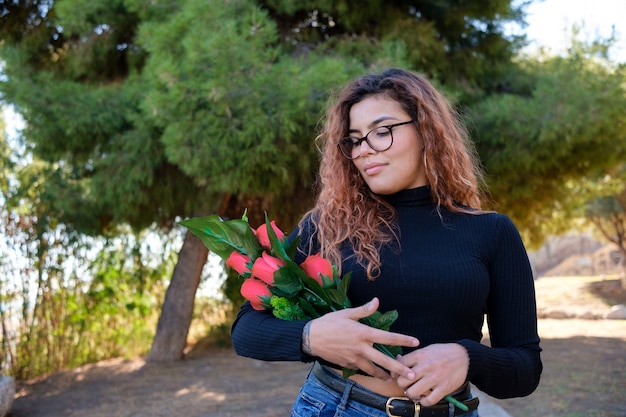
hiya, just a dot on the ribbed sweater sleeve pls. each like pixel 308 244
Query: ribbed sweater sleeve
pixel 260 335
pixel 512 366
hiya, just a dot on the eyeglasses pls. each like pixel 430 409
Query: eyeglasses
pixel 379 139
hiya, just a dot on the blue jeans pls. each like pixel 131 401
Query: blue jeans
pixel 317 400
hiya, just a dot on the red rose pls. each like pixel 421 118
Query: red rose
pixel 239 262
pixel 256 292
pixel 265 266
pixel 315 266
pixel 261 234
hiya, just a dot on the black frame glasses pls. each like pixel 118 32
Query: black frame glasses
pixel 348 144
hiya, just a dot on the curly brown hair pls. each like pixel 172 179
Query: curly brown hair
pixel 346 210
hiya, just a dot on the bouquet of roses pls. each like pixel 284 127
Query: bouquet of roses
pixel 273 281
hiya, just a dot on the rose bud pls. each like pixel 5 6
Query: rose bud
pixel 239 262
pixel 264 239
pixel 256 292
pixel 315 266
pixel 265 266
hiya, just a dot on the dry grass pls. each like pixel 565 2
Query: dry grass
pixel 578 297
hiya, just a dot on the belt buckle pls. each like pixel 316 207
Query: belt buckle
pixel 388 406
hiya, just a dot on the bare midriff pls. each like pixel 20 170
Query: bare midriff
pixel 387 388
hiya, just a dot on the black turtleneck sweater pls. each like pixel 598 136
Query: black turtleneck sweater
pixel 449 271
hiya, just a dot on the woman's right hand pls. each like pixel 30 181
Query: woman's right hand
pixel 340 338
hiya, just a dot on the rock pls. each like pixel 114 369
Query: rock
pixel 7 392
pixel 589 315
pixel 617 312
pixel 559 314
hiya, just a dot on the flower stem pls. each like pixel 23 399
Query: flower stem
pixel 384 349
pixel 313 293
pixel 457 403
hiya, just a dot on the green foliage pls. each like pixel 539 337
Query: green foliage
pixel 67 299
pixel 157 112
pixel 99 35
pixel 230 120
pixel 570 128
pixel 56 325
pixel 211 323
pixel 285 309
pixel 59 330
pixel 142 141
pixel 463 44
pixel 231 287
pixel 607 211
pixel 110 161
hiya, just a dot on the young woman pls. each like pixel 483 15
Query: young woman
pixel 399 208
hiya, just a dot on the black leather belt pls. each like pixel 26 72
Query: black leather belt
pixel 395 406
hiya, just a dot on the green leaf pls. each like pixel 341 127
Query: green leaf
pixel 389 350
pixel 291 249
pixel 223 237
pixel 337 298
pixel 343 286
pixel 347 373
pixel 317 290
pixel 287 282
pixel 308 308
pixel 278 246
pixel 381 321
pixel 387 319
pixel 266 300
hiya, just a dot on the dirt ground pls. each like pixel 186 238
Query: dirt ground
pixel 584 372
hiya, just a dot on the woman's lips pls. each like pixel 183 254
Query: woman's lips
pixel 373 168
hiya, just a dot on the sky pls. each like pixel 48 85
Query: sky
pixel 550 20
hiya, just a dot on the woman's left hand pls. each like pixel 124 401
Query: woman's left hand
pixel 439 369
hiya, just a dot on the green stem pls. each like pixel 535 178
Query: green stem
pixel 384 349
pixel 457 403
pixel 221 239
pixel 313 293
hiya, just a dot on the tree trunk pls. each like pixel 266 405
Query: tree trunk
pixel 171 334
